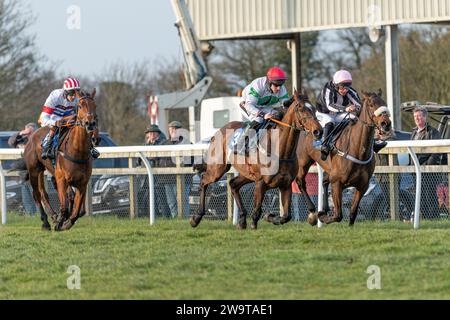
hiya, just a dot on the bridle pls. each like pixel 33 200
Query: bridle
pixel 80 123
pixel 300 116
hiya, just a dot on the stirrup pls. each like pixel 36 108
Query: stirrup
pixel 94 153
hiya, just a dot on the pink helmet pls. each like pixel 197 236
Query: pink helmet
pixel 71 84
pixel 342 76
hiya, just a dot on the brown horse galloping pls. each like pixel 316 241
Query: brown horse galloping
pixel 352 164
pixel 73 165
pixel 278 172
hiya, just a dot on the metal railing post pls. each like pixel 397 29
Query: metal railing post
pixel 418 187
pixel 151 188
pixel 3 192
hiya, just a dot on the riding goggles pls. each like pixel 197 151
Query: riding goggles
pixel 345 85
pixel 277 83
pixel 70 92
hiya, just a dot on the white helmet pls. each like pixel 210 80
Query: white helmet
pixel 342 76
pixel 71 84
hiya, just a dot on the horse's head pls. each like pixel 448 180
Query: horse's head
pixel 377 110
pixel 305 117
pixel 87 111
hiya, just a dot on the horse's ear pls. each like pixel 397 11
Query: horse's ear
pixel 78 94
pixel 380 92
pixel 295 95
pixel 365 94
pixel 304 92
pixel 93 93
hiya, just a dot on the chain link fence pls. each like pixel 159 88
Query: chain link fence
pixel 177 196
pixel 124 192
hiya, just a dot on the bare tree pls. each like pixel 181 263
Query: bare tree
pixel 121 102
pixel 24 82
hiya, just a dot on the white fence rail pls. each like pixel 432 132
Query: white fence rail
pixel 394 150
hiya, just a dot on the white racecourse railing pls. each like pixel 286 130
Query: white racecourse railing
pixel 198 151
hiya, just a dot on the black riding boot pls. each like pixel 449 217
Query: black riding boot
pixel 325 149
pixel 378 145
pixel 46 146
pixel 244 137
pixel 94 152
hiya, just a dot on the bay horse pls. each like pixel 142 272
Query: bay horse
pixel 252 168
pixel 73 165
pixel 351 163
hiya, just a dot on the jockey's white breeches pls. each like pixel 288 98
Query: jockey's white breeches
pixel 325 118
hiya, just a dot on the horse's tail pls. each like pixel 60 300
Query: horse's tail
pixel 20 165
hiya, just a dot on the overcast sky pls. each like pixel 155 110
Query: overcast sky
pixel 105 31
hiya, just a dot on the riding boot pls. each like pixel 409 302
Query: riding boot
pixel 243 139
pixel 325 148
pixel 94 152
pixel 378 145
pixel 47 144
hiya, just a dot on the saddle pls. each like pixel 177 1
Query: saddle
pixel 58 138
pixel 336 132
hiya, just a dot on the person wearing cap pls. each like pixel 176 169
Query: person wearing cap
pixel 153 137
pixel 336 101
pixel 260 97
pixel 59 104
pixel 177 135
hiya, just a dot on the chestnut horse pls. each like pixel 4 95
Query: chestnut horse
pixel 351 163
pixel 73 165
pixel 278 172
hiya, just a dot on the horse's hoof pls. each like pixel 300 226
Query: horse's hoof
pixel 67 225
pixel 254 226
pixel 269 217
pixel 312 219
pixel 242 225
pixel 322 216
pixel 194 221
pixel 46 227
pixel 285 219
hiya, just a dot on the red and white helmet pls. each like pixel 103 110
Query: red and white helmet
pixel 342 76
pixel 276 75
pixel 71 84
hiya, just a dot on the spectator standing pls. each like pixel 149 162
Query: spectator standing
pixel 153 137
pixel 177 135
pixel 424 131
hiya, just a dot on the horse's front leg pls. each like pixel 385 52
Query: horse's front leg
pixel 355 205
pixel 235 185
pixel 336 191
pixel 80 196
pixel 62 195
pixel 286 194
pixel 258 197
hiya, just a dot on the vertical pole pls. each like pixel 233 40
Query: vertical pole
pixel 393 75
pixel 393 191
pixel 320 193
pixel 180 190
pixel 3 192
pixel 229 199
pixel 131 195
pixel 192 131
pixel 88 200
pixel 296 68
pixel 418 187
pixel 151 187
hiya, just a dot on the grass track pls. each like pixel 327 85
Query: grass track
pixel 123 259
